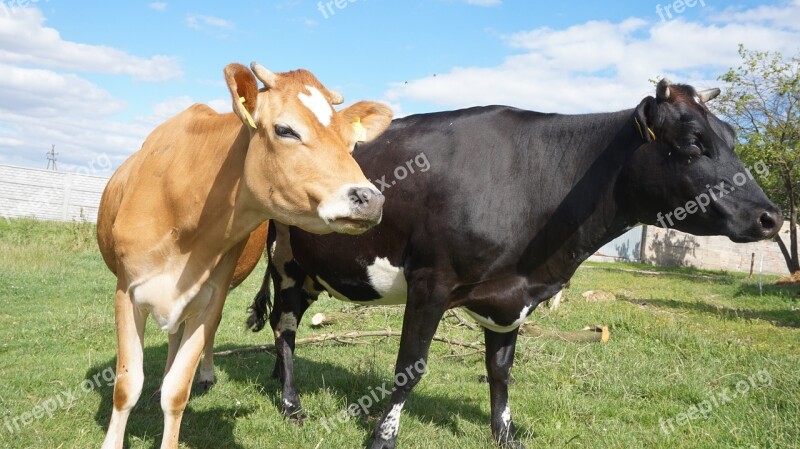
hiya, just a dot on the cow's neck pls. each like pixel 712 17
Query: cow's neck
pixel 588 216
pixel 229 214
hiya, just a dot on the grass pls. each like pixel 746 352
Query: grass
pixel 679 338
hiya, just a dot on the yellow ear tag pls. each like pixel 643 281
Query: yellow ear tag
pixel 361 132
pixel 638 126
pixel 247 114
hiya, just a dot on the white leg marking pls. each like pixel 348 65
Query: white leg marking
pixel 288 322
pixel 206 375
pixel 506 416
pixel 391 424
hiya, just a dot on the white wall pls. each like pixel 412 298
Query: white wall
pixel 49 195
pixel 675 248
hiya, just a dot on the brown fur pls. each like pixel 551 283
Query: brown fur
pixel 184 217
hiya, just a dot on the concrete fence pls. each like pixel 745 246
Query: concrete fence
pixel 675 248
pixel 49 195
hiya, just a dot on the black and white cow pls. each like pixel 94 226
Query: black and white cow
pixel 501 209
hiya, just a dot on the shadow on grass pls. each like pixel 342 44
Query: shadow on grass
pixel 214 428
pixel 781 291
pixel 780 318
pixel 651 271
pixel 199 429
pixel 350 386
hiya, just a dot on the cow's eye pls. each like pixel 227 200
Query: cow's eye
pixel 694 148
pixel 286 132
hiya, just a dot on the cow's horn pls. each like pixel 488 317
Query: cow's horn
pixel 662 90
pixel 267 77
pixel 708 94
pixel 336 97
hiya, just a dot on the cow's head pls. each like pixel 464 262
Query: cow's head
pixel 686 175
pixel 299 168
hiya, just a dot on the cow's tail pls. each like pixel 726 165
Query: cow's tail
pixel 262 304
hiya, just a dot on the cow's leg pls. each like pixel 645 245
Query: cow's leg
pixel 424 310
pixel 206 377
pixel 130 322
pixel 500 349
pixel 290 305
pixel 173 341
pixel 177 384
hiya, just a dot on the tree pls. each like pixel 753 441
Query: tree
pixel 763 104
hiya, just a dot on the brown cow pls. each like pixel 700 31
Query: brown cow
pixel 176 215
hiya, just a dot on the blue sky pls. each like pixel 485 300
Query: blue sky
pixel 94 78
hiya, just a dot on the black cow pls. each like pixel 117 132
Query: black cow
pixel 496 210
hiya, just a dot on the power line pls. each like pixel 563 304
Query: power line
pixel 52 159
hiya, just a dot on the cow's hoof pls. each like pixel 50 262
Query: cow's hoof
pixel 204 385
pixel 514 444
pixel 297 417
pixel 293 413
pixel 380 443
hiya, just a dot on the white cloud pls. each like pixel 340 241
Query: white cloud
pixel 170 107
pixel 601 66
pixel 210 24
pixel 157 6
pixel 43 103
pixel 24 39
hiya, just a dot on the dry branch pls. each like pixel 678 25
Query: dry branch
pixel 342 337
pixel 596 333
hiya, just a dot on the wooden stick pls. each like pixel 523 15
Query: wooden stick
pixel 595 333
pixel 328 318
pixel 461 320
pixel 342 338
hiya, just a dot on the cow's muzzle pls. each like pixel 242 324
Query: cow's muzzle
pixel 355 210
pixel 770 222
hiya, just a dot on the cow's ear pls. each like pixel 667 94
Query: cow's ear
pixel 644 118
pixel 244 92
pixel 368 119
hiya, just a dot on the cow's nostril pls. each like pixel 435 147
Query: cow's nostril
pixel 360 196
pixel 768 221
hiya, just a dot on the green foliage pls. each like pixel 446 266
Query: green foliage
pixel 762 102
pixel 83 233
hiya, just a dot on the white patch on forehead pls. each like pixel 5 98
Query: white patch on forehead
pixel 388 280
pixel 318 104
pixel 489 323
pixel 391 424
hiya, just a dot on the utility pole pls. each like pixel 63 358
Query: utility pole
pixel 51 159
